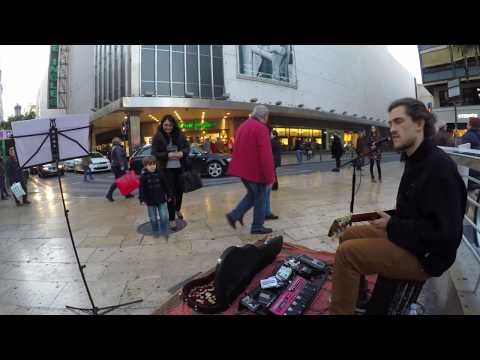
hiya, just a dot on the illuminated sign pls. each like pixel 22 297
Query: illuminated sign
pixel 197 125
pixel 52 77
pixel 466 116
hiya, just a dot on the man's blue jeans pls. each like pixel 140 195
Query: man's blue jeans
pixel 162 211
pixel 87 172
pixel 299 154
pixel 268 209
pixel 255 197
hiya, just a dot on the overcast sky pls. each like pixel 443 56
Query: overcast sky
pixel 23 67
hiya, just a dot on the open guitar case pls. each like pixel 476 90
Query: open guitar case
pixel 235 269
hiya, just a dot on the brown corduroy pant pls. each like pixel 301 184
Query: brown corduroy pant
pixel 369 252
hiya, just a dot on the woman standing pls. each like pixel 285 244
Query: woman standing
pixel 171 149
pixel 375 153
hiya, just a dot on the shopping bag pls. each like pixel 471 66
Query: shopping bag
pixel 191 181
pixel 128 183
pixel 17 190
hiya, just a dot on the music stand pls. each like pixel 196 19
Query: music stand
pixel 53 148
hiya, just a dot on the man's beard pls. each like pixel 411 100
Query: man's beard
pixel 406 146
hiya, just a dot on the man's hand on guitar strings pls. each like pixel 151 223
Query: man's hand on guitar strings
pixel 381 224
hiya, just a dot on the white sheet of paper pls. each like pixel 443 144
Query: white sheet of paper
pixel 28 145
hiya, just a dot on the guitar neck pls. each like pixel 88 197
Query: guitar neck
pixel 365 217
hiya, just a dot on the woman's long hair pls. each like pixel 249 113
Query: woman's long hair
pixel 175 131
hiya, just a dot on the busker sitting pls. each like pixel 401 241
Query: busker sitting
pixel 420 239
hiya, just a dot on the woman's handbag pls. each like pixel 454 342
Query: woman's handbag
pixel 17 190
pixel 191 181
pixel 128 183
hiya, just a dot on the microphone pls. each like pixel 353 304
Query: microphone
pixel 382 141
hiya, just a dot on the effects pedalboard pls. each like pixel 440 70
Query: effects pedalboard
pixel 290 289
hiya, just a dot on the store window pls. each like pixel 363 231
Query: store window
pixel 198 68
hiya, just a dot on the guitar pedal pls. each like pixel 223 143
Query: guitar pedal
pixel 284 273
pixel 316 264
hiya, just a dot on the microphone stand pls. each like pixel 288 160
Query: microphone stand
pixel 355 161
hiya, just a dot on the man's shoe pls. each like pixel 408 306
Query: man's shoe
pixel 129 196
pixel 261 231
pixel 109 198
pixel 26 202
pixel 336 170
pixel 231 221
pixel 271 217
pixel 179 215
pixel 19 204
pixel 373 180
pixel 173 225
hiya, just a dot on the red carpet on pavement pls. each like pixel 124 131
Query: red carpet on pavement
pixel 175 306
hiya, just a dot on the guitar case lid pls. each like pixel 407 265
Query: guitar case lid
pixel 234 271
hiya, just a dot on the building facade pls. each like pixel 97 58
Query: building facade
pixel 312 91
pixel 442 63
pixel 1 101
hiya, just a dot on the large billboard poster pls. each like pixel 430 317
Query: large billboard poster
pixel 275 62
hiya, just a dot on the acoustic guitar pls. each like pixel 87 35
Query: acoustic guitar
pixel 340 224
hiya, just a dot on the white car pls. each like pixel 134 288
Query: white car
pixel 99 163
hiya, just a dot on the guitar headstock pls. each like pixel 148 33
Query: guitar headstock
pixel 339 225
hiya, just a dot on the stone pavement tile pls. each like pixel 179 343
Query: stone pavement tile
pixel 31 293
pixel 125 255
pixel 97 230
pixel 29 271
pixel 101 255
pixel 22 250
pixel 58 254
pixel 103 294
pixel 121 230
pixel 118 272
pixel 24 310
pixel 164 250
pixel 300 233
pixel 215 246
pixel 103 241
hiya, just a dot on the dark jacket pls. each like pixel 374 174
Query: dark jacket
pixel 337 149
pixel 431 200
pixel 154 188
pixel 14 173
pixel 277 152
pixel 472 136
pixel 374 152
pixel 159 149
pixel 2 167
pixel 119 157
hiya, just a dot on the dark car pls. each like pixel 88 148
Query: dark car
pixel 213 165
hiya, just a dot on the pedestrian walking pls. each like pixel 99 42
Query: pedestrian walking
pixel 299 151
pixel 207 146
pixel 442 137
pixel 154 192
pixel 360 148
pixel 277 160
pixel 15 174
pixel 171 150
pixel 252 162
pixel 85 164
pixel 3 187
pixel 337 151
pixel 375 153
pixel 472 136
pixel 119 166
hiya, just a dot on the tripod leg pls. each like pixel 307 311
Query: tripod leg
pixel 107 309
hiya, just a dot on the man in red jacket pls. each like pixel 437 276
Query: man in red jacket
pixel 253 162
